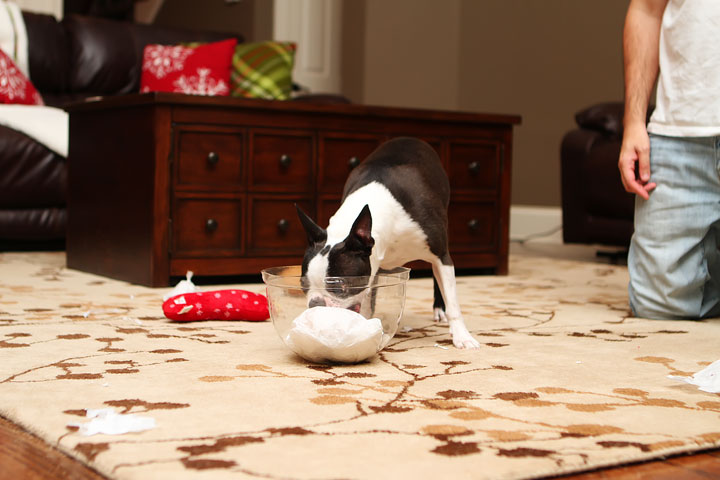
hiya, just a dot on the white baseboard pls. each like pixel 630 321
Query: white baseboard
pixel 540 224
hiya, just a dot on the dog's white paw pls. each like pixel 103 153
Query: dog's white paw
pixel 466 343
pixel 461 337
pixel 439 315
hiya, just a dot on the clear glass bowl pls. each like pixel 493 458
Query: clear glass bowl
pixel 287 301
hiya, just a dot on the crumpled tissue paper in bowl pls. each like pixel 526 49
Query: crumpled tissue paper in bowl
pixel 333 334
pixel 707 379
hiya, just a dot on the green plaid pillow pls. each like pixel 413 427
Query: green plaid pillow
pixel 262 70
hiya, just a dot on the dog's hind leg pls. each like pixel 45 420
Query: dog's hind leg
pixel 444 275
pixel 438 302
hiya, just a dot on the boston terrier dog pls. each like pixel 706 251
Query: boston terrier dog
pixel 394 210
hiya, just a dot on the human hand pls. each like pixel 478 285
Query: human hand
pixel 635 150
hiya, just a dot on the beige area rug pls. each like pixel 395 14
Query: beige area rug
pixel 564 382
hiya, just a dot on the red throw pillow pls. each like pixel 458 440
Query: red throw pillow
pixel 14 86
pixel 201 70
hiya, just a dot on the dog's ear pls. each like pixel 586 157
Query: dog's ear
pixel 361 232
pixel 315 233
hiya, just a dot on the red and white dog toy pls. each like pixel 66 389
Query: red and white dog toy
pixel 186 304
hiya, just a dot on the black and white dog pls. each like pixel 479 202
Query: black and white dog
pixel 394 210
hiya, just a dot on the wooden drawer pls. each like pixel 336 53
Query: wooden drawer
pixel 339 154
pixel 435 144
pixel 474 166
pixel 273 225
pixel 281 161
pixel 207 227
pixel 472 226
pixel 209 160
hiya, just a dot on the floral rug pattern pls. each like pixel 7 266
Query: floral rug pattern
pixel 565 380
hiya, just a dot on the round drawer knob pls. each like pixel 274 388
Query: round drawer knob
pixel 353 162
pixel 285 160
pixel 474 167
pixel 473 224
pixel 283 225
pixel 213 158
pixel 211 224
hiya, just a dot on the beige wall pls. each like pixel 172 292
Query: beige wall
pixel 251 18
pixel 411 53
pixel 541 59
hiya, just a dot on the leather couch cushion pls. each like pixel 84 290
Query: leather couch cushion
pixel 102 56
pixel 603 117
pixel 48 59
pixel 33 224
pixel 106 56
pixel 32 176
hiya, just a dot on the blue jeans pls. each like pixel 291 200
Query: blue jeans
pixel 674 263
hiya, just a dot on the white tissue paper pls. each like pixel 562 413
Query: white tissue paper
pixel 109 422
pixel 332 334
pixel 707 379
pixel 183 286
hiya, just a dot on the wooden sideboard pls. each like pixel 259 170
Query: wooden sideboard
pixel 162 183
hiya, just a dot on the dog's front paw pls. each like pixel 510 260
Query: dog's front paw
pixel 439 315
pixel 461 337
pixel 466 343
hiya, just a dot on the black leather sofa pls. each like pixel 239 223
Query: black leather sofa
pixel 69 60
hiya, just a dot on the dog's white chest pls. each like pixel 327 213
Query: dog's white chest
pixel 398 238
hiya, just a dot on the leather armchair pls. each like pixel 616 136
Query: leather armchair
pixel 596 209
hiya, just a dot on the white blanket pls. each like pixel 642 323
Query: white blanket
pixel 47 125
pixel 13 36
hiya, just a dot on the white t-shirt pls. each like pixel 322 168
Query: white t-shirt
pixel 688 93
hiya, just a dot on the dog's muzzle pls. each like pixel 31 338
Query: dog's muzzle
pixel 316 302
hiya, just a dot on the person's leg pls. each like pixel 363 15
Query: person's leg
pixel 673 252
pixel 711 293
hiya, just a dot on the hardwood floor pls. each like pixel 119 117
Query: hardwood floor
pixel 25 456
pixel 684 467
